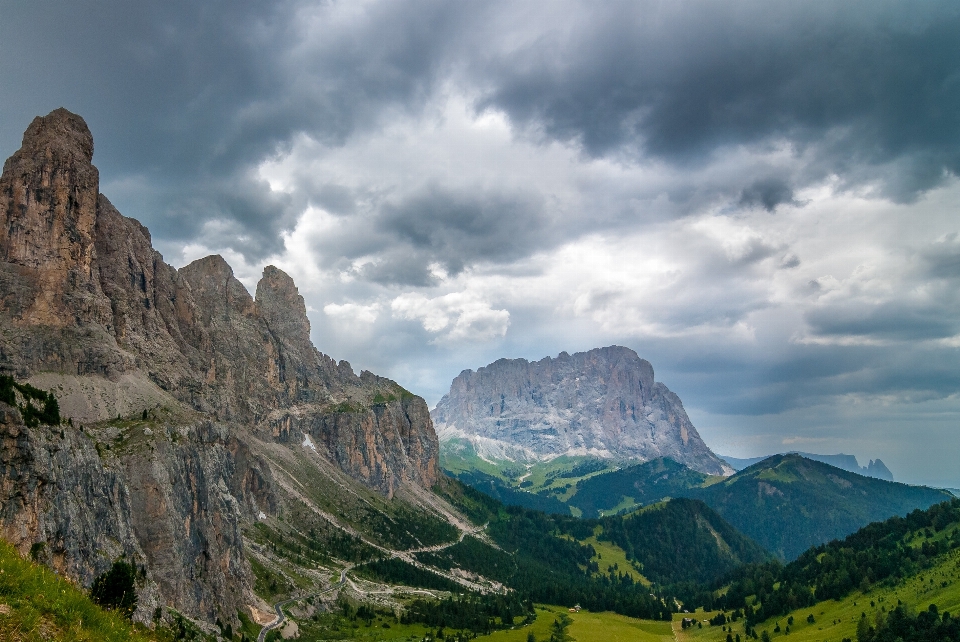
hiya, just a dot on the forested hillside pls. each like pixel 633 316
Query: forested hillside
pixel 545 557
pixel 787 503
pixel 878 554
pixel 639 484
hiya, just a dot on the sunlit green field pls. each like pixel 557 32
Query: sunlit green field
pixel 587 627
pixel 610 627
pixel 609 554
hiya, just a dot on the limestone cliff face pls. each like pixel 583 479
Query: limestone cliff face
pixel 164 497
pixel 604 402
pixel 261 369
pixel 173 374
pixel 55 489
pixel 48 212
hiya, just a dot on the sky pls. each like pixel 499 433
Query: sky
pixel 759 197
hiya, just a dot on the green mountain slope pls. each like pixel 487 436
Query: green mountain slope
pixel 682 540
pixel 837 620
pixel 916 563
pixel 544 485
pixel 787 503
pixel 904 562
pixel 639 484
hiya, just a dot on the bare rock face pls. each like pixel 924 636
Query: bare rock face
pixel 604 403
pixel 48 211
pixel 179 378
pixel 261 368
pixel 283 309
pixel 56 492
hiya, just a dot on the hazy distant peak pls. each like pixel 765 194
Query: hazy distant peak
pixel 875 468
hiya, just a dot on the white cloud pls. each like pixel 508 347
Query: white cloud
pixel 352 312
pixel 454 317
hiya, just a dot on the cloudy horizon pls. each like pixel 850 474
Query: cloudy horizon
pixel 760 198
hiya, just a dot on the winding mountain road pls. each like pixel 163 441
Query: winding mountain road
pixel 406 555
pixel 278 607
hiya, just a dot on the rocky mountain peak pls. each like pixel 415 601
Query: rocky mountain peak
pixel 48 211
pixel 281 305
pixel 62 135
pixel 212 269
pixel 201 383
pixel 216 290
pixel 604 403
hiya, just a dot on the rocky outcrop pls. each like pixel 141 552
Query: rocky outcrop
pixel 48 212
pixel 173 374
pixel 59 501
pixel 604 402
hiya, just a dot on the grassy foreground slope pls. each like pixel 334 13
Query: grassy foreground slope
pixel 36 604
pixel 836 620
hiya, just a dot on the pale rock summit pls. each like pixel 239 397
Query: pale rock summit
pixel 603 403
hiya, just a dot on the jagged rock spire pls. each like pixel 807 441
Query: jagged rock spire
pixel 48 212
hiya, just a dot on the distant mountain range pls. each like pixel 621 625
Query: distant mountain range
pixel 593 434
pixel 603 403
pixel 875 468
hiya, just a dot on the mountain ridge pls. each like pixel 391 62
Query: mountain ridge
pixel 788 503
pixel 785 502
pixel 874 468
pixel 187 401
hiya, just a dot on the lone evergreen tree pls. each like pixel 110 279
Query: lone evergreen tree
pixel 116 588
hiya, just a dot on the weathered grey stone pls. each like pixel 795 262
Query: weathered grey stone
pixel 604 402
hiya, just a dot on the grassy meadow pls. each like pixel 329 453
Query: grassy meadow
pixel 609 554
pixel 586 627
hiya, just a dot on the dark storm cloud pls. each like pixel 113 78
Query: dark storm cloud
pixel 870 84
pixel 926 312
pixel 893 320
pixel 808 375
pixel 767 193
pixel 943 258
pixel 188 97
pixel 435 227
pixel 458 229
